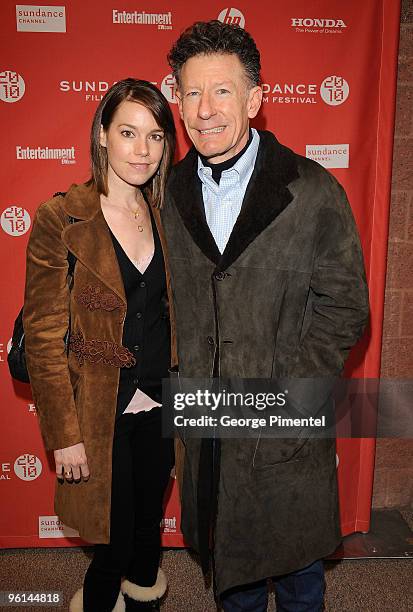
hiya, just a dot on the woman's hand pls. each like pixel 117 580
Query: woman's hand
pixel 71 462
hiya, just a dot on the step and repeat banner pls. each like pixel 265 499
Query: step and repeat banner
pixel 328 74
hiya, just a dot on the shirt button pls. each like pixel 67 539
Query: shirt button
pixel 136 348
pixel 138 315
pixel 210 340
pixel 142 284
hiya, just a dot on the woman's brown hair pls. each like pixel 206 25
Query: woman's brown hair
pixel 142 92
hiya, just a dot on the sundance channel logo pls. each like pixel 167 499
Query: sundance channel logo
pixel 31 18
pixel 233 16
pixel 329 155
pixel 334 90
pixel 163 21
pixel 314 25
pixel 52 527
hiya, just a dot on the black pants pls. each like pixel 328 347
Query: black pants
pixel 141 464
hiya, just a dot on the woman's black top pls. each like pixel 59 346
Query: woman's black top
pixel 146 331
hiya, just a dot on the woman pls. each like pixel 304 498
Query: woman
pixel 99 400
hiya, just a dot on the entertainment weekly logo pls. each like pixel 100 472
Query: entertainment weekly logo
pixel 329 156
pixel 15 221
pixel 52 527
pixel 31 18
pixel 163 21
pixel 12 86
pixel 233 16
pixel 65 156
pixel 334 90
pixel 168 524
pixel 310 25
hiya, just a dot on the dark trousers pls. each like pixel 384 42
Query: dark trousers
pixel 141 464
pixel 301 591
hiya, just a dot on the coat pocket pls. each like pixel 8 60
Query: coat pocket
pixel 273 451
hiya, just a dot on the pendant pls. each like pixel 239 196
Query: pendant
pixel 140 228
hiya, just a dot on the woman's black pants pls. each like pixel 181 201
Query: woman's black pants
pixel 141 464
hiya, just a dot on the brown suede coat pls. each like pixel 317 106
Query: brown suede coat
pixel 76 394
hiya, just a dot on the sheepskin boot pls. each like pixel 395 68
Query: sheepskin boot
pixel 76 603
pixel 141 599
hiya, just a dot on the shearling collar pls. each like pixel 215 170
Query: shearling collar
pixel 266 197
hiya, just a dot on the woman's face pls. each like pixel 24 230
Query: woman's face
pixel 134 143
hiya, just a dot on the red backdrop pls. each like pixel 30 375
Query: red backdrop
pixel 328 71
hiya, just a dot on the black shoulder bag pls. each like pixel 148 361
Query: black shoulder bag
pixel 16 358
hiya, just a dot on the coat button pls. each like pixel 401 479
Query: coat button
pixel 136 348
pixel 142 284
pixel 210 340
pixel 135 381
pixel 138 315
pixel 219 276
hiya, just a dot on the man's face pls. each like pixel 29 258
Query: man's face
pixel 216 102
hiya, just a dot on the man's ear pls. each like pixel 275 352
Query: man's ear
pixel 254 101
pixel 102 138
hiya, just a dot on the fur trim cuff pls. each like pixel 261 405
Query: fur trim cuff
pixel 76 603
pixel 139 593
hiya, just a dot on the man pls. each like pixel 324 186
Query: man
pixel 268 281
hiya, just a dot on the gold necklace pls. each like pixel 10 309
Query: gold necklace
pixel 136 214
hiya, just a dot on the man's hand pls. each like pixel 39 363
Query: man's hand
pixel 71 463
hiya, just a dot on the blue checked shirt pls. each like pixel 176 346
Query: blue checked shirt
pixel 223 202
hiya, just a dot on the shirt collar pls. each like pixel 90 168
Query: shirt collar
pixel 242 167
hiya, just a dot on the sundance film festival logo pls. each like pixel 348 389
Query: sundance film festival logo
pixel 12 86
pixel 15 221
pixel 168 88
pixel 309 25
pixel 30 18
pixel 334 90
pixel 28 467
pixel 92 90
pixel 162 20
pixel 233 16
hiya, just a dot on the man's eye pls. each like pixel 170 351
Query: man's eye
pixel 127 133
pixel 222 91
pixel 192 93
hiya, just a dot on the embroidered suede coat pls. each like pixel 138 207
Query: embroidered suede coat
pixel 76 393
pixel 287 298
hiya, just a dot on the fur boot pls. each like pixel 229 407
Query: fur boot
pixel 144 598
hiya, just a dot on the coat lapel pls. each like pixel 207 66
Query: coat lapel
pixel 89 239
pixel 266 197
pixel 186 191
